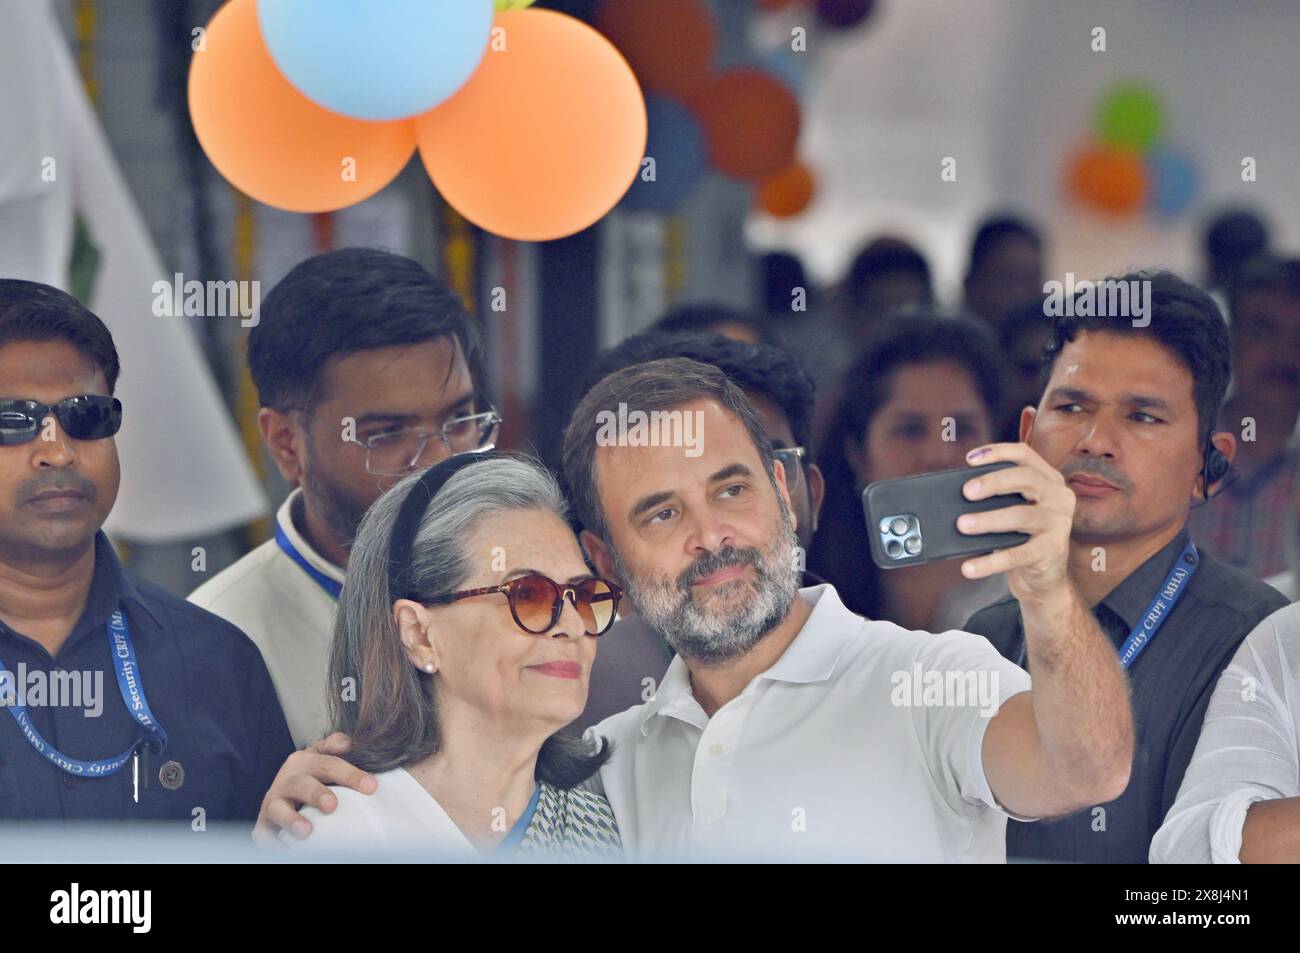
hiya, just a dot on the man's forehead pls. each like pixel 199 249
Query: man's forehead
pixel 47 371
pixel 1106 362
pixel 412 377
pixel 621 468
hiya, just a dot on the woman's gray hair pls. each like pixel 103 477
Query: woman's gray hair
pixel 376 695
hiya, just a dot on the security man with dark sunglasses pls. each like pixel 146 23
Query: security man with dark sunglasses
pixel 119 700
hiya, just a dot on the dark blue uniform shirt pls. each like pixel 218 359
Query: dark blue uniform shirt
pixel 209 690
pixel 1170 684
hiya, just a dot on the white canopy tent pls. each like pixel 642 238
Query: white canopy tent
pixel 185 472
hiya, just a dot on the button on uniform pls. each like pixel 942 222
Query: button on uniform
pixel 171 775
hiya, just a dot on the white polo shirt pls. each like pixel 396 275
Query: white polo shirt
pixel 862 742
pixel 288 612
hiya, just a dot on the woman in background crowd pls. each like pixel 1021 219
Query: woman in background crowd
pixel 922 396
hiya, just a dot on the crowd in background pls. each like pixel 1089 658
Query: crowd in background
pixel 1170 444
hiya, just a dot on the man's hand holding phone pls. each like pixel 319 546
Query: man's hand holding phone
pixel 1037 570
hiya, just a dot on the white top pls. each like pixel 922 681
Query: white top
pixel 1248 750
pixel 401 816
pixel 289 616
pixel 842 749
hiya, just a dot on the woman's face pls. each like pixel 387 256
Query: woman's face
pixel 933 416
pixel 487 667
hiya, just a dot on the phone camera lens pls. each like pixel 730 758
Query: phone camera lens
pixel 899 526
pixel 912 545
pixel 894 548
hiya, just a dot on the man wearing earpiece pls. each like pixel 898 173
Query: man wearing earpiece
pixel 1127 417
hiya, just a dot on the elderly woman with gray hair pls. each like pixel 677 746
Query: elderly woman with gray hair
pixel 463 644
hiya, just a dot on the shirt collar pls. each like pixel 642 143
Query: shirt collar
pixel 826 633
pixel 811 657
pixel 1129 600
pixel 111 587
pixel 284 518
pixel 124 588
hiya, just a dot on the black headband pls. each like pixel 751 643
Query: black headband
pixel 408 519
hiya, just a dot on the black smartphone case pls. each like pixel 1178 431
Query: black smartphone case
pixel 931 503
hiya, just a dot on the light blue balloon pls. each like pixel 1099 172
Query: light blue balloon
pixel 1173 181
pixel 376 59
pixel 676 143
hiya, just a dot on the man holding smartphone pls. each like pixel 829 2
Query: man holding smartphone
pixel 778 731
pixel 1127 417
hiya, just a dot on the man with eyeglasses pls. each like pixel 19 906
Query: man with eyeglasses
pixel 367 368
pixel 118 701
pixel 632 661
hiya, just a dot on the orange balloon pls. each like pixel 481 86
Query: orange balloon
pixel 669 43
pixel 545 137
pixel 751 121
pixel 1113 180
pixel 788 193
pixel 273 143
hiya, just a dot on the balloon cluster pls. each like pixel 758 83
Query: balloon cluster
pixel 743 121
pixel 1128 166
pixel 528 121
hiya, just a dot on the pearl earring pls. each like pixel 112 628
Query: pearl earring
pixel 428 667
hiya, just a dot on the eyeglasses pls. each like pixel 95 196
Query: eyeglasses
pixel 399 451
pixel 536 601
pixel 85 417
pixel 792 459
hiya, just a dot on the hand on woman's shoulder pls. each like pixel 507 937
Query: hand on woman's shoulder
pixel 356 822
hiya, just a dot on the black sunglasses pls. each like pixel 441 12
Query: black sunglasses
pixel 536 601
pixel 85 417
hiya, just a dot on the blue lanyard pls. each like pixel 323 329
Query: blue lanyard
pixel 322 580
pixel 129 684
pixel 515 838
pixel 1158 610
pixel 1166 597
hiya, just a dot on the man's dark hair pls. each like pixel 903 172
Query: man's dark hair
pixel 884 256
pixel 1265 273
pixel 780 273
pixel 757 368
pixel 1232 238
pixel 30 311
pixel 1184 319
pixel 992 232
pixel 706 319
pixel 656 385
pixel 345 301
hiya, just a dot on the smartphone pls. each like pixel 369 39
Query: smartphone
pixel 913 520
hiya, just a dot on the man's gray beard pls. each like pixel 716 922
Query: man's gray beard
pixel 714 638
